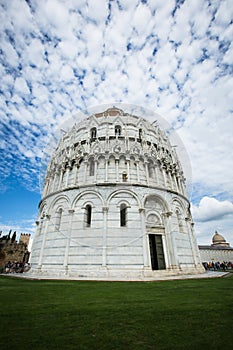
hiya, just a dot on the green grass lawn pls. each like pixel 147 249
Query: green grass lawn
pixel 181 314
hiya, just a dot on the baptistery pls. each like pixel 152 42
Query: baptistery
pixel 114 204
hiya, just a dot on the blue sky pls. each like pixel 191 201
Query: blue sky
pixel 59 58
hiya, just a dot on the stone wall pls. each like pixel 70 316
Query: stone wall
pixel 11 250
pixel 220 255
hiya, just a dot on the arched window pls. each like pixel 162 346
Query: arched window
pixel 118 130
pixel 93 133
pixel 123 215
pixel 124 177
pixel 91 167
pixel 58 219
pixel 87 215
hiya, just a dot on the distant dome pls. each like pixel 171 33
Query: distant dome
pixel 219 240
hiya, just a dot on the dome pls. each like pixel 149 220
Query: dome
pixel 219 240
pixel 114 203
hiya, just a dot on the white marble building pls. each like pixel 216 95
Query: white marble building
pixel 114 204
pixel 219 250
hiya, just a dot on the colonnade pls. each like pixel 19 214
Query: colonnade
pixel 77 175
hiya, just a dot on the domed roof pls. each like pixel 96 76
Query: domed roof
pixel 113 111
pixel 218 239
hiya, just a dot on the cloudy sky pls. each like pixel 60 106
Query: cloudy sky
pixel 60 57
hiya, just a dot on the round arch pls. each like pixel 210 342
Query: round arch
pixel 133 194
pixel 178 204
pixel 57 199
pixel 158 198
pixel 43 208
pixel 80 195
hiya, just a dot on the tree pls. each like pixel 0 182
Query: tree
pixel 13 237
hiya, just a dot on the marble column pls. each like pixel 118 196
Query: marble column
pixel 96 169
pixel 106 169
pixel 67 175
pixel 179 185
pixel 156 175
pixel 128 170
pixel 47 218
pixel 75 173
pixel 117 170
pixel 85 171
pixel 61 177
pixel 46 186
pixel 145 243
pixel 68 237
pixel 187 220
pixel 138 174
pixel 175 182
pixel 164 177
pixel 182 186
pixel 170 178
pixel 147 172
pixel 54 180
pixel 104 244
pixel 171 243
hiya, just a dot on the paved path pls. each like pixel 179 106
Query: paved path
pixel 207 274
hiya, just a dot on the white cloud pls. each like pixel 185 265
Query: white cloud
pixel 212 215
pixel 19 15
pixel 96 11
pixel 53 17
pixel 67 73
pixel 21 86
pixel 10 54
pixel 34 53
pixel 59 57
pixel 212 209
pixel 163 20
pixel 141 19
pixel 94 42
pixel 224 13
pixel 228 57
pixel 70 49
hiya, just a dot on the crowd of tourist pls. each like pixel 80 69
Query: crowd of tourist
pixel 217 266
pixel 20 267
pixel 16 267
